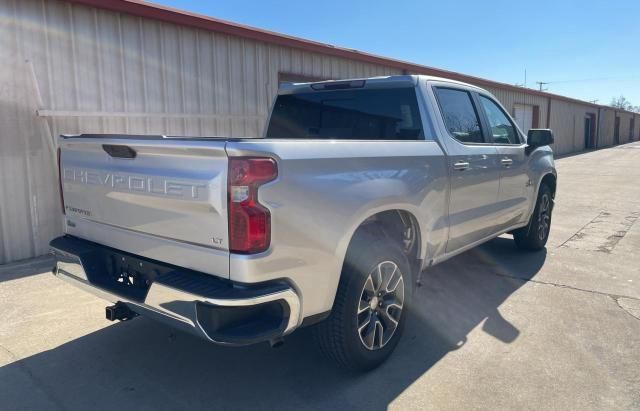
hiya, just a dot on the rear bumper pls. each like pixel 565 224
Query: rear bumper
pixel 217 309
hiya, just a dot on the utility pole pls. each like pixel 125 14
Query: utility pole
pixel 542 83
pixel 594 101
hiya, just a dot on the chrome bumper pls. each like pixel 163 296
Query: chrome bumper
pixel 179 307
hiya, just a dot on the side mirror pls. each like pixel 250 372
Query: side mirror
pixel 538 137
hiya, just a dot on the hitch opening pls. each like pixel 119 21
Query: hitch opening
pixel 276 342
pixel 119 311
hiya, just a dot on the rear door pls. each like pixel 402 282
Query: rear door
pixel 161 198
pixel 516 189
pixel 473 168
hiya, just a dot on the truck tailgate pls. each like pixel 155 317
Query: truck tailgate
pixel 161 198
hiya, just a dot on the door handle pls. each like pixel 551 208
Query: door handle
pixel 461 165
pixel 506 162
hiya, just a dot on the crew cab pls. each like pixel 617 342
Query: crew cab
pixel 327 220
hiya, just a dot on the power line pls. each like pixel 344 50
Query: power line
pixel 594 79
pixel 541 84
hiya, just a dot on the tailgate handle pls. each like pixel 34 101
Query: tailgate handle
pixel 119 151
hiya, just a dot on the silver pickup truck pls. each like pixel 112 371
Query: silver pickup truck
pixel 328 220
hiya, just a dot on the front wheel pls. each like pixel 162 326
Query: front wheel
pixel 535 235
pixel 370 307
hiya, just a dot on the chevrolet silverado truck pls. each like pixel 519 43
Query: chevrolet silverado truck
pixel 354 189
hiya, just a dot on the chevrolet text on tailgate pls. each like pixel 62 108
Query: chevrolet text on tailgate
pixel 326 221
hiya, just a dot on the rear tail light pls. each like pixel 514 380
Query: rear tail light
pixel 249 221
pixel 60 182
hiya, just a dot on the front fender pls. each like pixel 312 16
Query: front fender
pixel 541 165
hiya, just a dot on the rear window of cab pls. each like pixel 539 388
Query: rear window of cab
pixel 361 114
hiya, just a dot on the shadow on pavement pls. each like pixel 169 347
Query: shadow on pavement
pixel 142 364
pixel 25 268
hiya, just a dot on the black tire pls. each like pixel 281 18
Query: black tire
pixel 534 235
pixel 338 336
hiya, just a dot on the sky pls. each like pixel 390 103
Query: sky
pixel 584 49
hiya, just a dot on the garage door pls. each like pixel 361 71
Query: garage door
pixel 524 116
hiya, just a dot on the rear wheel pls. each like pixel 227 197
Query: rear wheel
pixel 535 235
pixel 371 304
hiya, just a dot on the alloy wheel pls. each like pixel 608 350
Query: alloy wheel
pixel 380 305
pixel 544 217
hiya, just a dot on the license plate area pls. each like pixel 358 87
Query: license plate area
pixel 122 274
pixel 130 276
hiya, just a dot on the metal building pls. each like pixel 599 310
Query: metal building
pixel 120 66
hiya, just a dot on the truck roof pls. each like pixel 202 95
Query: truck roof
pixel 407 80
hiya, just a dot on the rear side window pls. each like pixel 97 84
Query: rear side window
pixel 460 116
pixel 363 114
pixel 502 129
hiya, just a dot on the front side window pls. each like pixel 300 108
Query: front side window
pixel 502 129
pixel 459 115
pixel 360 114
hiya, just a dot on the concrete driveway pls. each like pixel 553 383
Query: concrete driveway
pixel 494 329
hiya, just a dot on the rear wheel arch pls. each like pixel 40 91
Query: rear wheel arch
pixel 374 245
pixel 364 230
pixel 390 224
pixel 398 225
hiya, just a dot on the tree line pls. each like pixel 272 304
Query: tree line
pixel 624 104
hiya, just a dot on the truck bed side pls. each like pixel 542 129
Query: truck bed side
pixel 324 191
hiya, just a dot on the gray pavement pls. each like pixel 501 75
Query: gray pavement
pixel 492 329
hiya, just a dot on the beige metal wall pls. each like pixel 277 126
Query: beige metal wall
pixel 567 123
pixel 605 128
pixel 625 127
pixel 29 205
pixel 89 70
pixel 143 76
pixel 608 127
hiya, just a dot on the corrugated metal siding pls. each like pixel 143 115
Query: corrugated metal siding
pixel 625 128
pixel 607 119
pixel 100 71
pixel 163 78
pixel 567 123
pixel 29 206
pixel 607 131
